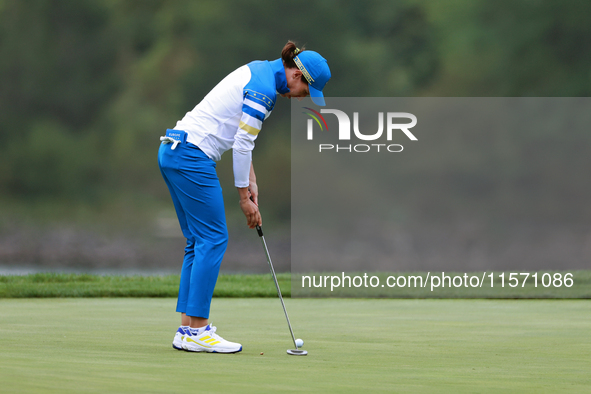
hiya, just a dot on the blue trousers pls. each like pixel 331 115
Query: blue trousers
pixel 197 196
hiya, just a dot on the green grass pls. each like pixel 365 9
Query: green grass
pixel 123 345
pixel 85 285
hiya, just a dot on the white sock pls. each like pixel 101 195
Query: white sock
pixel 198 331
pixel 185 328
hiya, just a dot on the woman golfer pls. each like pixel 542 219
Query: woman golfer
pixel 229 117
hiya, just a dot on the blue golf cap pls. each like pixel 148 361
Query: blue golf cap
pixel 316 71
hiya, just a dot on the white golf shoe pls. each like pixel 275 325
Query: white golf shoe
pixel 209 342
pixel 177 342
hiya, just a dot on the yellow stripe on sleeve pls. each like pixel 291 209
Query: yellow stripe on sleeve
pixel 248 128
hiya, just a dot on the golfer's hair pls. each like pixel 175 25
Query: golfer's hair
pixel 288 53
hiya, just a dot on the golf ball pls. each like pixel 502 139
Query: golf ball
pixel 299 342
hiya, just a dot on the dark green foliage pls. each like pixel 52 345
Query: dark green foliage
pixel 88 86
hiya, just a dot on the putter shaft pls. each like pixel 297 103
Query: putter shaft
pixel 260 232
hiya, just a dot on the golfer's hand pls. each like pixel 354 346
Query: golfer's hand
pixel 251 211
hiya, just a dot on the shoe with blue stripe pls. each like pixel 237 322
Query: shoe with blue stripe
pixel 210 342
pixel 177 342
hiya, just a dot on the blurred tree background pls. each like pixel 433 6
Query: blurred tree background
pixel 87 87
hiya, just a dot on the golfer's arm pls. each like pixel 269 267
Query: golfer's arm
pixel 243 193
pixel 252 177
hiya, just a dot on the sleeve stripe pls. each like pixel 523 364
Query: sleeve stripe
pixel 248 128
pixel 253 112
pixel 255 105
pixel 254 122
pixel 266 101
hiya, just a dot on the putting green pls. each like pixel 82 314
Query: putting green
pixel 124 346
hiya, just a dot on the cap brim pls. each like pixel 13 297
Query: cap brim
pixel 316 96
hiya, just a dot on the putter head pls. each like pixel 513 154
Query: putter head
pixel 297 352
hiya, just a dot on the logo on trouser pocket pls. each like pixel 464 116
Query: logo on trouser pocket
pixel 174 137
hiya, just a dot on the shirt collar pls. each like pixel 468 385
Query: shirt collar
pixel 280 78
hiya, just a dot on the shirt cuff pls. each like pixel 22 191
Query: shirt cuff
pixel 241 166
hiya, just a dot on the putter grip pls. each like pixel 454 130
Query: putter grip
pixel 259 229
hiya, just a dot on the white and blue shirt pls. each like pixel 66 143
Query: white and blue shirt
pixel 232 114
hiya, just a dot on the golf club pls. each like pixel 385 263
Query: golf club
pixel 296 351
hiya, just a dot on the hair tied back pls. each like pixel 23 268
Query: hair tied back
pixel 288 53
